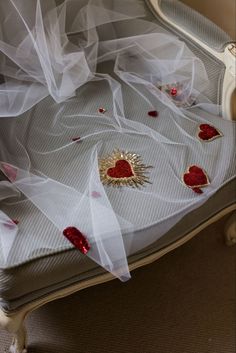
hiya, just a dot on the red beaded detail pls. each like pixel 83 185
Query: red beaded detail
pixel 153 113
pixel 102 110
pixel 208 132
pixel 122 169
pixel 195 178
pixel 77 239
pixel 173 91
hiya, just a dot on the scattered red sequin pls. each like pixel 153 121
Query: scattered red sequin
pixel 198 190
pixel 173 91
pixel 77 239
pixel 96 194
pixel 76 139
pixel 208 132
pixel 9 171
pixel 195 178
pixel 102 110
pixel 11 224
pixel 122 169
pixel 153 113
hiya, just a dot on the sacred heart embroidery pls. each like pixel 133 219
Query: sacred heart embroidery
pixel 208 132
pixel 123 169
pixel 196 178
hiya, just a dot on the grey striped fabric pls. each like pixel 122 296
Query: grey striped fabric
pixel 37 235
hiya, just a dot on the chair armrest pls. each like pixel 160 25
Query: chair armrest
pixel 206 35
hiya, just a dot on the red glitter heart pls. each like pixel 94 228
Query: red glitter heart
pixel 153 113
pixel 122 169
pixel 195 178
pixel 77 239
pixel 208 132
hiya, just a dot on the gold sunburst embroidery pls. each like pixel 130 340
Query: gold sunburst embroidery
pixel 123 169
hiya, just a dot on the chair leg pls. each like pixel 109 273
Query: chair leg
pixel 230 230
pixel 15 325
pixel 19 341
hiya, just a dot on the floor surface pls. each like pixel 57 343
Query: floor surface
pixel 183 303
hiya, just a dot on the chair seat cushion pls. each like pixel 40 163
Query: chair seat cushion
pixel 39 277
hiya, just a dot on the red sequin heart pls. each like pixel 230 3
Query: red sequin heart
pixel 208 132
pixel 195 178
pixel 122 169
pixel 153 113
pixel 77 239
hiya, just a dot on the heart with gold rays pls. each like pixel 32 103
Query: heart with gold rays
pixel 122 168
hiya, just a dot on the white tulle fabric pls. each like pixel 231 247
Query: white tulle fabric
pixel 50 49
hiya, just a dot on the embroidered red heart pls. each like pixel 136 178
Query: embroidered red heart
pixel 195 178
pixel 122 169
pixel 208 132
pixel 79 241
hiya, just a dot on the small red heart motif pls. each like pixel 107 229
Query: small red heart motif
pixel 122 169
pixel 79 241
pixel 208 132
pixel 195 178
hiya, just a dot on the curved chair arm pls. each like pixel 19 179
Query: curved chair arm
pixel 226 53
